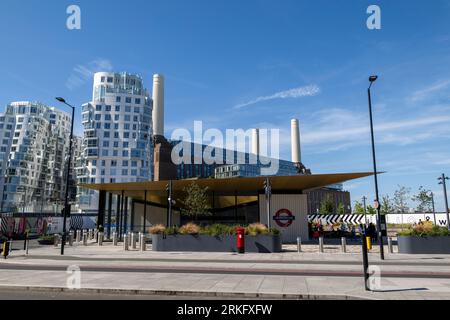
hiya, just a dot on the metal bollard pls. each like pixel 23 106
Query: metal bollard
pixel 91 234
pixel 101 237
pixel 114 235
pixel 139 239
pixel 344 245
pixel 71 238
pixel 96 235
pixel 78 238
pixel 133 240
pixel 85 238
pixel 143 245
pixel 126 246
pixel 56 240
pixel 321 245
pixel 27 245
pixel 390 245
pixel 299 244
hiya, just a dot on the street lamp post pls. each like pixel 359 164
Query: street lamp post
pixel 268 191
pixel 443 180
pixel 434 209
pixel 372 79
pixel 66 200
pixel 365 210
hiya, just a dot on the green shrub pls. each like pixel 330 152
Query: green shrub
pixel 47 238
pixel 171 231
pixel 426 229
pixel 218 230
pixel 215 230
pixel 257 229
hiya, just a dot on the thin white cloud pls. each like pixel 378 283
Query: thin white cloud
pixel 83 73
pixel 307 91
pixel 420 95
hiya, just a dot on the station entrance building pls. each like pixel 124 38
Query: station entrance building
pixel 136 206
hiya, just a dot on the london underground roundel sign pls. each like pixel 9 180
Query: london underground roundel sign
pixel 284 218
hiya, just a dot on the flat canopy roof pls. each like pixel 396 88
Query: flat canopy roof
pixel 245 188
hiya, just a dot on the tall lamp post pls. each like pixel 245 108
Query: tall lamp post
pixel 66 200
pixel 381 226
pixel 443 180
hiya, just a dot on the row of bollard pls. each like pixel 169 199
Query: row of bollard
pixel 82 236
pixel 343 245
pixel 132 240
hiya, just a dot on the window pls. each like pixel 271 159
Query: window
pixel 98 108
pixel 110 79
pixel 125 144
pixel 94 171
pixel 106 144
pixel 98 117
pixel 94 162
pixel 106 134
pixel 103 163
pixel 113 163
pixel 115 153
pixel 116 117
pixel 127 117
pixel 134 163
pixel 107 117
pixel 136 109
pixel 112 172
pixel 105 152
pixel 117 100
pixel 126 126
pixel 98 125
pixel 102 79
pixel 107 125
pixel 125 153
pixel 116 126
pixel 127 109
pixel 126 135
pixel 128 100
pixel 134 172
pixel 125 163
pixel 124 172
pixel 116 144
pixel 117 108
pixel 108 108
pixel 116 135
pixel 137 101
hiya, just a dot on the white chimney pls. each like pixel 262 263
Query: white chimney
pixel 295 141
pixel 255 141
pixel 158 105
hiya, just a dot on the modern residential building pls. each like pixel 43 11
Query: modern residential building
pixel 33 156
pixel 117 141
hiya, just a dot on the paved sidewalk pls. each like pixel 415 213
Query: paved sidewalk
pixel 293 275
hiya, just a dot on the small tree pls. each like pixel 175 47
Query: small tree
pixel 371 210
pixel 327 205
pixel 400 199
pixel 424 200
pixel 196 201
pixel 387 206
pixel 358 208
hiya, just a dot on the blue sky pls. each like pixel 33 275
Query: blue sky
pixel 220 54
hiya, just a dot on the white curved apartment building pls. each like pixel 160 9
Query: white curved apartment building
pixel 117 142
pixel 34 143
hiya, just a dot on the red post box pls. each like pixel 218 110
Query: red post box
pixel 240 233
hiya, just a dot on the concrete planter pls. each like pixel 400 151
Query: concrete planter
pixel 423 245
pixel 204 243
